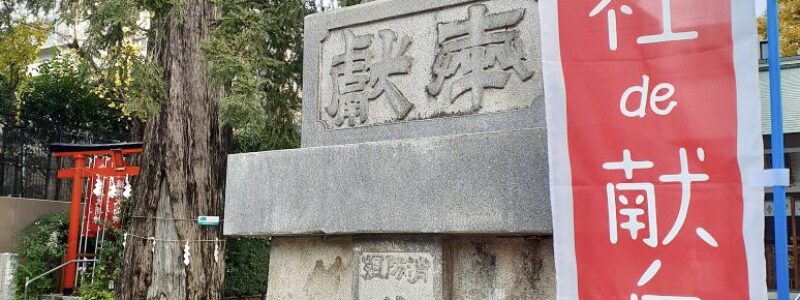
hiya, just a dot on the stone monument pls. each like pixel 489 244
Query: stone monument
pixel 423 168
pixel 8 265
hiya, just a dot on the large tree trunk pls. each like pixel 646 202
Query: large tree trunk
pixel 183 171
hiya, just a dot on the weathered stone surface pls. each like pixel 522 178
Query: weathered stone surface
pixel 475 183
pixel 420 68
pixel 503 268
pixel 8 265
pixel 418 117
pixel 310 268
pixel 469 267
pixel 398 268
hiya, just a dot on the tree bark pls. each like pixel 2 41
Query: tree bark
pixel 183 171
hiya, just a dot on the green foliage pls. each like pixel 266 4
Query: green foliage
pixel 246 266
pixel 41 247
pixel 789 24
pixel 110 27
pixel 110 21
pixel 19 47
pixel 6 102
pixel 349 2
pixel 96 291
pixel 107 270
pixel 255 54
pixel 147 91
pixel 61 97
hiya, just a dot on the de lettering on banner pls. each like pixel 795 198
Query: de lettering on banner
pixel 657 197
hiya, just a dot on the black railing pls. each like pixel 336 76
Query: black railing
pixel 28 170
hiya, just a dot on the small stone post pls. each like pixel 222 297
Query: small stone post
pixel 8 266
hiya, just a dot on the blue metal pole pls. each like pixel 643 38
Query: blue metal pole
pixel 776 110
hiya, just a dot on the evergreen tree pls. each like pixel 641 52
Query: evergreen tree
pixel 255 53
pixel 183 164
pixel 211 67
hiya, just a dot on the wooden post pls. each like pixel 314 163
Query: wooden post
pixel 74 221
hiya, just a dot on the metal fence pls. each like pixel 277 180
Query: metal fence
pixel 793 221
pixel 27 168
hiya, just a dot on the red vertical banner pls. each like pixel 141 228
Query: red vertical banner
pixel 658 195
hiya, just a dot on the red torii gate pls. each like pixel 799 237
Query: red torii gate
pixel 79 170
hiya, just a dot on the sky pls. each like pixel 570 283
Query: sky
pixel 761 6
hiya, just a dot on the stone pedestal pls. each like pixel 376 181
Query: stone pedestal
pixel 423 172
pixel 411 267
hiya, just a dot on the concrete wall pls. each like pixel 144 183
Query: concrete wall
pixel 18 213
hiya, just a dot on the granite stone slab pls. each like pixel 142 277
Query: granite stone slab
pixel 390 70
pixel 487 183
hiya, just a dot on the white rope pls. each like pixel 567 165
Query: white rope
pixel 162 218
pixel 172 241
pixel 186 249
